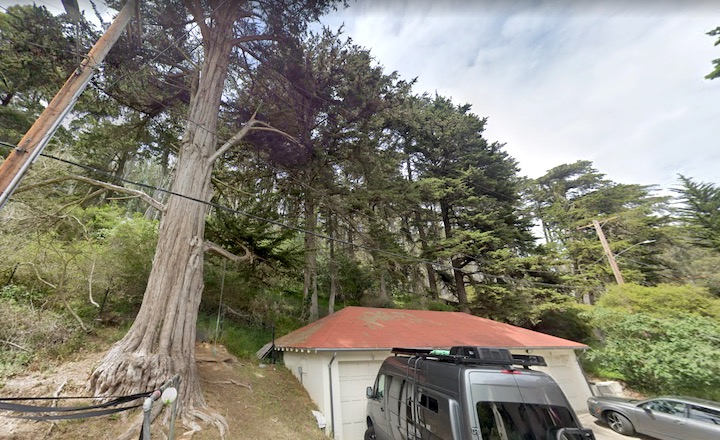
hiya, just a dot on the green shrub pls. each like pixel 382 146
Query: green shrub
pixel 673 355
pixel 663 300
pixel 240 339
pixel 561 316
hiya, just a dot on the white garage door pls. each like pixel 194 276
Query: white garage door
pixel 355 377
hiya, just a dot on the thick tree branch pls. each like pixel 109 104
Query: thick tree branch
pixel 121 189
pixel 252 124
pixel 196 10
pixel 235 139
pixel 217 249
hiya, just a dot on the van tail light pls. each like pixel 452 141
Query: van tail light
pixel 510 371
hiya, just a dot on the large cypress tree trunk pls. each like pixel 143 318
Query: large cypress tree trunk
pixel 161 341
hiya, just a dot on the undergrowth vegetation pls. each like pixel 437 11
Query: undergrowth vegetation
pixel 28 332
pixel 658 340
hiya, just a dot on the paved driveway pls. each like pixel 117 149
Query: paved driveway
pixel 603 431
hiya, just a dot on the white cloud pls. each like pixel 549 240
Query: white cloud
pixel 561 81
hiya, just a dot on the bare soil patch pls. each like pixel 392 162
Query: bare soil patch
pixel 258 401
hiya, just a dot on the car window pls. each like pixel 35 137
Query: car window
pixel 705 415
pixel 666 407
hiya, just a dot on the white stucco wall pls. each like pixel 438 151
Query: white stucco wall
pixel 315 378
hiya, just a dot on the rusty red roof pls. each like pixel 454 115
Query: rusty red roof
pixel 365 328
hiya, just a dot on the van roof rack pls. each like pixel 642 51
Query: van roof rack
pixel 474 355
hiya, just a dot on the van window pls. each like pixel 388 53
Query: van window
pixel 521 421
pixel 428 402
pixel 434 417
pixel 379 388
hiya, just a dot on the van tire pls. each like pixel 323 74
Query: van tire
pixel 619 423
pixel 370 433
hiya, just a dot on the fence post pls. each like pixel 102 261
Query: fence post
pixel 173 410
pixel 147 410
pixel 171 396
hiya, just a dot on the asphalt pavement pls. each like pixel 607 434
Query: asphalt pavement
pixel 601 430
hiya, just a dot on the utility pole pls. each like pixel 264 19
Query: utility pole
pixel 608 252
pixel 35 140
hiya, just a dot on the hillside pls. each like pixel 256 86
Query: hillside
pixel 257 401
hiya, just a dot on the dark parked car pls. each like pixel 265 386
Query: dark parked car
pixel 665 418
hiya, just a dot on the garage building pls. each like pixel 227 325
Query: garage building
pixel 337 357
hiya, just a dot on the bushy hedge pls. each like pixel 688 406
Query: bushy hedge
pixel 663 300
pixel 660 340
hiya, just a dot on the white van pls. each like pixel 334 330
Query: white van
pixel 472 393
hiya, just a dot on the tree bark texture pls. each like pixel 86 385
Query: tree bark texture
pixel 161 341
pixel 332 264
pixel 457 273
pixel 432 280
pixel 310 293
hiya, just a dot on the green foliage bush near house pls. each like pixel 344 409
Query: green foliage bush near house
pixel 663 300
pixel 678 355
pixel 659 340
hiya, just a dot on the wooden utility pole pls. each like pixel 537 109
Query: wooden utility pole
pixel 608 252
pixel 35 140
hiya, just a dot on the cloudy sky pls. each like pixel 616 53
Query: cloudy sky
pixel 619 83
pixel 616 82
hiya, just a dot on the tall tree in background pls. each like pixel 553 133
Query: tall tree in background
pixel 161 341
pixel 701 211
pixel 327 94
pixel 554 194
pixel 472 185
pixel 570 196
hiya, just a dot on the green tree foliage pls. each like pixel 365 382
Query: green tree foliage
pixel 660 339
pixel 327 94
pixel 701 212
pixel 660 355
pixel 468 187
pixel 81 259
pixel 716 72
pixel 569 197
pixel 37 52
pixel 663 300
pixel 553 196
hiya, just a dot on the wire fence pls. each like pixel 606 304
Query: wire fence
pixel 167 394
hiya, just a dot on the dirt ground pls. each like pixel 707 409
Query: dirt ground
pixel 258 401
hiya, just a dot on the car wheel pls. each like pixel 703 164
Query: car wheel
pixel 370 433
pixel 619 423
